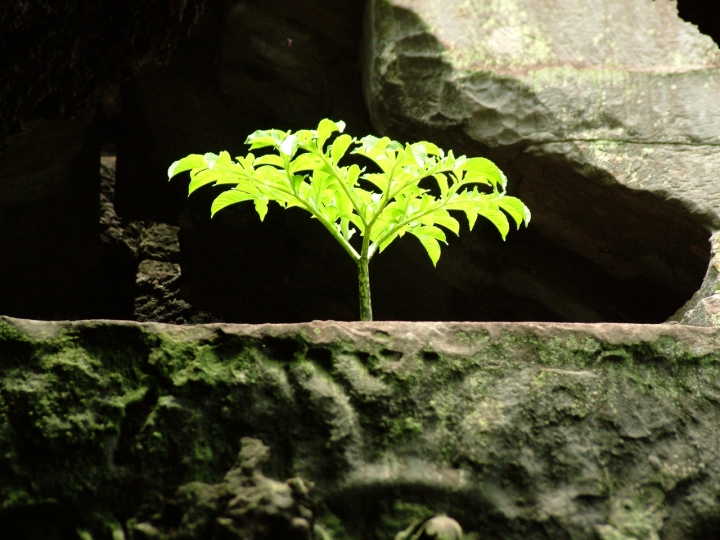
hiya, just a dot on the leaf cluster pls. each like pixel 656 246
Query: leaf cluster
pixel 303 170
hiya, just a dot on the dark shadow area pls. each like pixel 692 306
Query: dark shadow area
pixel 40 522
pixel 55 55
pixel 55 261
pixel 702 13
pixel 628 255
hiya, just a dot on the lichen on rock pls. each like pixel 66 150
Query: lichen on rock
pixel 245 506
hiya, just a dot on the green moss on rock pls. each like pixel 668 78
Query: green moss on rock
pixel 504 427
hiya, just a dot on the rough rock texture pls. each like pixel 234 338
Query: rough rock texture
pixel 607 126
pixel 159 295
pixel 245 506
pixel 518 431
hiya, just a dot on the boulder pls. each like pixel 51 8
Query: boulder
pixel 601 112
pixel 524 430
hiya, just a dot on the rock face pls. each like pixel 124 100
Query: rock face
pixel 246 505
pixel 606 125
pixel 158 294
pixel 529 430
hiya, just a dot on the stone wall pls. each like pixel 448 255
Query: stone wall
pixel 525 430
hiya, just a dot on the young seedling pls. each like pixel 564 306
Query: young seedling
pixel 305 171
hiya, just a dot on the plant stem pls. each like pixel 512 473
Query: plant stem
pixel 364 282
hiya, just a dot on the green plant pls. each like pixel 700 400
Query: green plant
pixel 304 171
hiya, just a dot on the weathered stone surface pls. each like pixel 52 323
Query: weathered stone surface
pixel 159 292
pixel 606 124
pixel 532 431
pixel 245 506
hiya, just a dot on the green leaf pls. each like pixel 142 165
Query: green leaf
pixel 515 208
pixel 527 216
pixel 222 160
pixel 345 229
pixel 431 245
pixel 433 232
pixel 263 138
pixel 343 202
pixel 351 175
pixel 355 220
pixel 246 162
pixel 432 149
pixel 261 207
pixel 498 219
pixel 297 181
pixel 442 217
pixel 420 153
pixel 305 137
pixel 471 217
pixel 330 213
pixel 367 143
pixel 306 162
pixel 269 159
pixel 319 182
pixel 325 129
pixel 185 164
pixel 442 183
pixel 389 239
pixel 339 147
pixel 227 198
pixel 289 145
pixel 380 180
pixel 377 150
pixel 205 176
pixel 481 170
